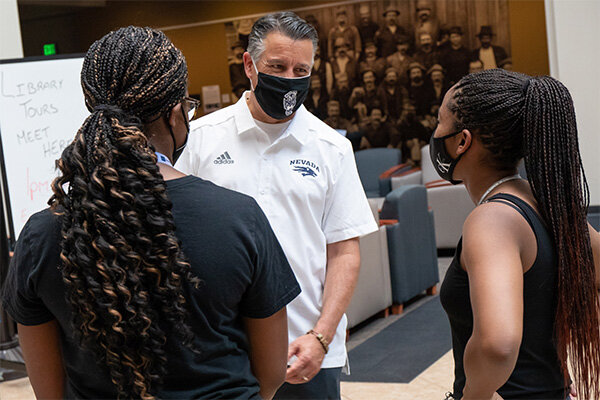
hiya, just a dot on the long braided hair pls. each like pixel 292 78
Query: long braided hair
pixel 122 264
pixel 517 116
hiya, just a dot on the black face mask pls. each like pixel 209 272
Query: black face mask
pixel 443 163
pixel 280 97
pixel 178 150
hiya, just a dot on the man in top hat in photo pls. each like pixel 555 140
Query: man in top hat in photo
pixel 489 54
pixel 437 83
pixel 387 37
pixel 392 95
pixel 372 62
pixel 455 59
pixel 420 97
pixel 400 60
pixel 367 27
pixel 426 53
pixel 344 30
pixel 426 22
pixel 365 97
pixel 343 63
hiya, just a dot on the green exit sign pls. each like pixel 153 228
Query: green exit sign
pixel 49 49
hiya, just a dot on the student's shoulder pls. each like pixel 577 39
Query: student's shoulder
pixel 210 193
pixel 41 232
pixel 42 224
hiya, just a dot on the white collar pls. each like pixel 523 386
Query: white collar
pixel 299 127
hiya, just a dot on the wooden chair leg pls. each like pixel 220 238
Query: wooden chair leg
pixel 386 313
pixel 432 290
pixel 397 309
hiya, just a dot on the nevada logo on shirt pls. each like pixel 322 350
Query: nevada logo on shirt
pixel 305 167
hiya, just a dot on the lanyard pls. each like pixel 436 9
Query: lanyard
pixel 161 158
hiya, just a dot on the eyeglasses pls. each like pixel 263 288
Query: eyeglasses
pixel 192 106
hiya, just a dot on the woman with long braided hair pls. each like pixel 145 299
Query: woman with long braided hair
pixel 111 299
pixel 521 293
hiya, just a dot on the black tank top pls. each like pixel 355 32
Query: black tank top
pixel 537 374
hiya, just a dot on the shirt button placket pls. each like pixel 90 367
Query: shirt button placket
pixel 263 188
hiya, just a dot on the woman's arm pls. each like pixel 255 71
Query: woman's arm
pixel 43 359
pixel 268 339
pixel 492 256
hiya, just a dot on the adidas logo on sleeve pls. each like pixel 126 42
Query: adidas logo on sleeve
pixel 224 159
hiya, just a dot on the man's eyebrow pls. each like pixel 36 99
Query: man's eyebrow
pixel 280 61
pixel 275 61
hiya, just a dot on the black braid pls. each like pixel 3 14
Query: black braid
pixel 121 262
pixel 516 115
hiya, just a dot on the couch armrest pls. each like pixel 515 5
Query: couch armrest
pixel 395 170
pixel 411 177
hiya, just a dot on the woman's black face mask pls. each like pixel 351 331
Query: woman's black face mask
pixel 178 150
pixel 280 97
pixel 442 161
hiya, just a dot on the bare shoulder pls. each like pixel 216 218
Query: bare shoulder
pixel 494 230
pixel 494 218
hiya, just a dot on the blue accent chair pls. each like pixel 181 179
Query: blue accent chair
pixel 371 163
pixel 411 244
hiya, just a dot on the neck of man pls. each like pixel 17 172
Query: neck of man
pixel 259 114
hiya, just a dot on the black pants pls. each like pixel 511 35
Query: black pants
pixel 324 386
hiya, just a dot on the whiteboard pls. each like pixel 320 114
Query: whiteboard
pixel 41 110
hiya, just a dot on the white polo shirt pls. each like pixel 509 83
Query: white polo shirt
pixel 307 185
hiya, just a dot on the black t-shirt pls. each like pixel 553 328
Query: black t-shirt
pixel 231 248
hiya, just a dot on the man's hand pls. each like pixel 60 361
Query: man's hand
pixel 309 354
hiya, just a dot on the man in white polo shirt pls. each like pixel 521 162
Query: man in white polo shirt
pixel 303 175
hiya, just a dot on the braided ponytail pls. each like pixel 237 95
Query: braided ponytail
pixel 557 179
pixel 518 116
pixel 121 263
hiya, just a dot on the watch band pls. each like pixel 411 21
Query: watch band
pixel 321 340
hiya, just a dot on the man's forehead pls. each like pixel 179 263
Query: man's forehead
pixel 280 46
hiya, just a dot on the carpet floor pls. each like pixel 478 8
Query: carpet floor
pixel 403 350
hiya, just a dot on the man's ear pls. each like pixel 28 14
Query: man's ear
pixel 466 138
pixel 174 114
pixel 248 65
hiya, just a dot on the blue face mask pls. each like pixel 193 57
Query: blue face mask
pixel 442 161
pixel 280 97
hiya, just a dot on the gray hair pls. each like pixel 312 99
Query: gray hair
pixel 287 23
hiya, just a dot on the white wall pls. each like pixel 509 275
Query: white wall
pixel 10 44
pixel 10 30
pixel 573 28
